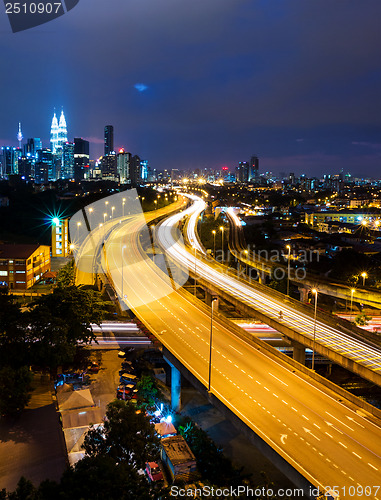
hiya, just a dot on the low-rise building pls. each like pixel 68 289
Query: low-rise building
pixel 178 457
pixel 21 266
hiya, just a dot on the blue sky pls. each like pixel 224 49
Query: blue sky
pixel 295 82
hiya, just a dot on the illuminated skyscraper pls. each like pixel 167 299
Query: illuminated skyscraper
pixel 19 135
pixel 54 134
pixel 67 170
pixel 109 139
pixel 62 132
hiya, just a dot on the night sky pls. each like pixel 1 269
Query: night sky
pixel 205 83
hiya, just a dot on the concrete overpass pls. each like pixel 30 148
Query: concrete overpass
pixel 339 290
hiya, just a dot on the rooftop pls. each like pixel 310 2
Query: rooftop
pixel 17 251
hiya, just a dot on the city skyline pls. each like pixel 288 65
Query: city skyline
pixel 297 85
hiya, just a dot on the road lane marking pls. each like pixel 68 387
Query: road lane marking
pixel 342 444
pixel 373 467
pixel 358 456
pixel 279 380
pixel 236 350
pixel 345 425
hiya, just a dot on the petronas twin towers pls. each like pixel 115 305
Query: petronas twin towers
pixel 58 133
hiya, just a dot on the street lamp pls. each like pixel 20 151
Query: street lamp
pixel 78 224
pixel 246 253
pixel 288 269
pixel 364 276
pixel 195 275
pixel 352 292
pixel 124 202
pixel 222 242
pixel 214 243
pixel 210 344
pixel 315 292
pixel 91 210
pixel 112 212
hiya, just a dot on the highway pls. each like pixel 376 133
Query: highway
pixel 356 350
pixel 328 443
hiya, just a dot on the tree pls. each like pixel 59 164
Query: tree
pixel 127 435
pixel 15 385
pixel 362 319
pixel 66 275
pixel 148 391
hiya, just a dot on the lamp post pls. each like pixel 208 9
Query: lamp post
pixel 364 277
pixel 214 243
pixel 315 292
pixel 124 202
pixel 91 210
pixel 112 212
pixel 195 270
pixel 78 224
pixel 222 242
pixel 246 252
pixel 211 344
pixel 288 269
pixel 352 292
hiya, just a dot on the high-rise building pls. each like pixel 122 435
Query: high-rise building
pixel 242 172
pixel 60 237
pixel 254 168
pixel 9 161
pixel 62 132
pixel 54 134
pixel 109 167
pixel 123 160
pixel 20 136
pixel 45 168
pixel 109 139
pixel 67 169
pixel 135 171
pixel 32 145
pixel 144 170
pixel 81 159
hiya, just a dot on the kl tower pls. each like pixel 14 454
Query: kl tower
pixel 19 135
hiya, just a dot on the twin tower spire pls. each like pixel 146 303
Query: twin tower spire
pixel 58 133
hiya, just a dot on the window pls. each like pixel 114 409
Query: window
pixel 3 273
pixel 29 262
pixel 22 272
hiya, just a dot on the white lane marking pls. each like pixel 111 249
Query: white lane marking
pixel 279 380
pixel 354 421
pixel 358 456
pixel 239 352
pixel 342 444
pixel 373 467
pixel 345 425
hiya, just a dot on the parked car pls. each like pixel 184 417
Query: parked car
pixel 128 378
pixel 93 367
pixel 153 471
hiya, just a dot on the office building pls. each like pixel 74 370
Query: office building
pixel 253 169
pixel 45 167
pixel 109 167
pixel 144 170
pixel 60 237
pixel 242 172
pixel 32 145
pixel 81 159
pixel 109 139
pixel 123 166
pixel 67 169
pixel 9 161
pixel 21 266
pixel 135 171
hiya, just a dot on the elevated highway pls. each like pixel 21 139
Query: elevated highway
pixel 242 252
pixel 354 351
pixel 327 441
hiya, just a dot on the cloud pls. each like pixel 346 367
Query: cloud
pixel 140 87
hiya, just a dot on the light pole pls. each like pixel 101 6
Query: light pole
pixel 195 270
pixel 364 277
pixel 214 243
pixel 352 292
pixel 288 269
pixel 112 212
pixel 91 210
pixel 222 242
pixel 211 344
pixel 78 224
pixel 315 292
pixel 124 202
pixel 246 252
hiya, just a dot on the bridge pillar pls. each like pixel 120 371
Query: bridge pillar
pixel 175 387
pixel 299 352
pixel 208 299
pixel 303 294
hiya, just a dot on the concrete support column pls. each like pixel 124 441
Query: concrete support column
pixel 262 278
pixel 303 294
pixel 299 352
pixel 175 388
